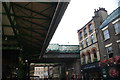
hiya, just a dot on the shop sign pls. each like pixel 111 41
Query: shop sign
pixel 89 66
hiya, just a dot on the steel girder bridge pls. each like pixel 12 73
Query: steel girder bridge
pixel 27 28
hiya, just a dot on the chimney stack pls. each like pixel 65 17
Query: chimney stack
pixel 101 12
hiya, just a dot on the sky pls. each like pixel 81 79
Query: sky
pixel 77 14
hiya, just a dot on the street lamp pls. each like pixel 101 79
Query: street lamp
pixel 26 61
pixel 82 74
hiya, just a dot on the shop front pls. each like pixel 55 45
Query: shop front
pixel 110 68
pixel 91 71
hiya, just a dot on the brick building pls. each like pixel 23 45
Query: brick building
pixel 109 45
pixel 99 40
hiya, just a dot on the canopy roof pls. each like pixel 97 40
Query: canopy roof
pixel 29 26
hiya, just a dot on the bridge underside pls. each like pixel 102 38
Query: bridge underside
pixel 54 60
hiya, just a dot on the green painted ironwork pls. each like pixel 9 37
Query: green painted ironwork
pixel 56 48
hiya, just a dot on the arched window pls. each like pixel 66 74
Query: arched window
pixel 89 57
pixel 95 54
pixel 83 56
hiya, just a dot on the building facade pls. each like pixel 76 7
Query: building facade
pixel 89 51
pixel 45 71
pixel 109 35
pixel 99 42
pixel 109 44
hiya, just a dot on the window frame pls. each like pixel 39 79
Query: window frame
pixel 109 49
pixel 92 39
pixel 117 27
pixel 110 54
pixel 87 42
pixel 90 28
pixel 119 45
pixel 80 35
pixel 82 44
pixel 85 31
pixel 89 57
pixel 106 35
pixel 83 60
pixel 95 55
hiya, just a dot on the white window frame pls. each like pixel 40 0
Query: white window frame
pixel 117 28
pixel 108 34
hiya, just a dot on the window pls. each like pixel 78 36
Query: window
pixel 106 34
pixel 110 55
pixel 80 34
pixel 92 39
pixel 90 27
pixel 86 41
pixel 89 57
pixel 83 56
pixel 119 45
pixel 109 49
pixel 95 54
pixel 85 31
pixel 117 27
pixel 82 44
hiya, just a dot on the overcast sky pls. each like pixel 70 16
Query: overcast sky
pixel 78 13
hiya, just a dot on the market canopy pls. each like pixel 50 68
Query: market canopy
pixel 29 26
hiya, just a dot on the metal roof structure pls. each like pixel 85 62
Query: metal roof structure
pixel 56 48
pixel 110 18
pixel 56 53
pixel 29 26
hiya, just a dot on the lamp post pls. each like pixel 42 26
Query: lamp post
pixel 27 66
pixel 82 74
